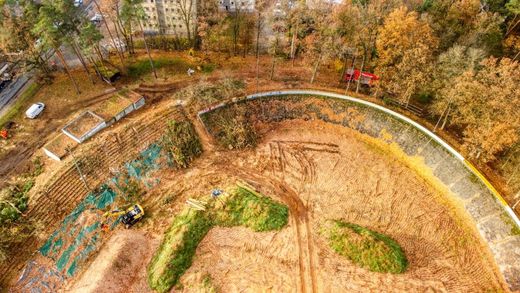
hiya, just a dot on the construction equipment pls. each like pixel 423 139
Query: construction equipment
pixel 365 78
pixel 132 215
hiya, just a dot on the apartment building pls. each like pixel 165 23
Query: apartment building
pixel 242 5
pixel 169 16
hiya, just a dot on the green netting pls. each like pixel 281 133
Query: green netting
pixel 147 161
pixel 80 239
pixel 82 255
pixel 105 198
pixel 77 238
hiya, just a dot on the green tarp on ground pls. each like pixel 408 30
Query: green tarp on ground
pixel 79 233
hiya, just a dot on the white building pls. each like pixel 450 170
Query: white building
pixel 170 16
pixel 232 5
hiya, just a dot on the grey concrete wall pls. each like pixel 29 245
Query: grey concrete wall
pixel 494 220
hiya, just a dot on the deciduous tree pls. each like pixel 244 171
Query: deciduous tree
pixel 486 102
pixel 450 65
pixel 406 47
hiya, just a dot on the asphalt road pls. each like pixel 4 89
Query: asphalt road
pixel 12 91
pixel 9 94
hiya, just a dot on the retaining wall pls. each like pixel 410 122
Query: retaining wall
pixel 494 219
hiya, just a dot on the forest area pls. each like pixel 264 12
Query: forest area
pixel 458 59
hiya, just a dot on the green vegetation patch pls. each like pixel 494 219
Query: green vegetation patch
pixel 181 143
pixel 245 207
pixel 240 207
pixel 175 254
pixel 14 201
pixel 366 248
pixel 143 66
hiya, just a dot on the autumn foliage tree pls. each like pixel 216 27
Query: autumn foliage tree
pixel 487 104
pixel 450 65
pixel 406 47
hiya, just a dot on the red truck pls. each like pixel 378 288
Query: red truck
pixel 367 78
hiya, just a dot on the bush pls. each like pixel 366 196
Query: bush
pixel 14 201
pixel 204 94
pixel 181 143
pixel 231 127
pixel 369 249
pixel 164 43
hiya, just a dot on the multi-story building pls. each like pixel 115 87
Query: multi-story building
pixel 174 17
pixel 242 5
pixel 170 16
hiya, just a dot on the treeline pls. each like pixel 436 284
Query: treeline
pixel 32 32
pixel 458 57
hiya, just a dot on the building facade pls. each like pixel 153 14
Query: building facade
pixel 171 17
pixel 242 5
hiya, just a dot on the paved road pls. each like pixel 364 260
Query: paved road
pixel 11 91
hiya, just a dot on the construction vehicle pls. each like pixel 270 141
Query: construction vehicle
pixel 365 78
pixel 129 216
pixel 133 215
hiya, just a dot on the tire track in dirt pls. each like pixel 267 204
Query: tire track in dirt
pixel 307 168
pixel 281 152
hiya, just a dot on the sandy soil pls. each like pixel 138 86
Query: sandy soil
pixel 124 255
pixel 320 171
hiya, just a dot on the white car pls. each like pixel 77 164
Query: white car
pixel 34 110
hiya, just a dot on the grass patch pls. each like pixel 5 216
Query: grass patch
pixel 30 92
pixel 208 67
pixel 177 249
pixel 143 66
pixel 245 207
pixel 366 248
pixel 241 206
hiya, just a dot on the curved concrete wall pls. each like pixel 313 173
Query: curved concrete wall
pixel 494 219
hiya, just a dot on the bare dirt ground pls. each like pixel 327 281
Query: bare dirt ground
pixel 321 172
pixel 123 255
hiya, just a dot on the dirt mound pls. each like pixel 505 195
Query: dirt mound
pixel 117 264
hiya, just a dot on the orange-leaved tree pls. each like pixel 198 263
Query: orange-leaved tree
pixel 487 104
pixel 406 47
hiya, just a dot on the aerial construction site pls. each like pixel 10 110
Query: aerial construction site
pixel 259 146
pixel 285 191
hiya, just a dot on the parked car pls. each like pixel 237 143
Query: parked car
pixel 34 110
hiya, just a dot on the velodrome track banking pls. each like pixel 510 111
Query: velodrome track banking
pixel 493 217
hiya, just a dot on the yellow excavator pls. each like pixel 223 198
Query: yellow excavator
pixel 129 217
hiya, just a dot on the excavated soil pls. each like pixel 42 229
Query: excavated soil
pixel 321 171
pixel 114 268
